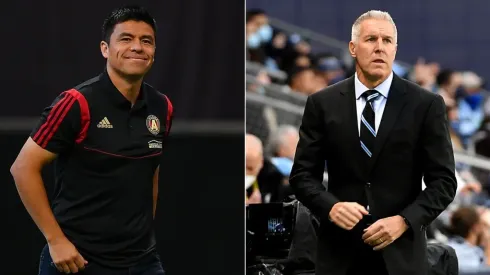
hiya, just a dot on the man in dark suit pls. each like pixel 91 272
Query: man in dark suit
pixel 378 135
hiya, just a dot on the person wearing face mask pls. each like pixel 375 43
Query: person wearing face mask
pixel 254 160
pixel 258 34
pixel 263 30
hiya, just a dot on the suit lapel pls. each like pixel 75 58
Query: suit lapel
pixel 352 141
pixel 394 105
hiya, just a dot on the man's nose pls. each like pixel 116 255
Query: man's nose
pixel 379 45
pixel 136 46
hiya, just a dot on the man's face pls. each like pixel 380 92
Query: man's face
pixel 261 20
pixel 375 49
pixel 131 50
pixel 254 162
pixel 305 82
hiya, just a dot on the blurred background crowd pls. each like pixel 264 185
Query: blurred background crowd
pixel 284 67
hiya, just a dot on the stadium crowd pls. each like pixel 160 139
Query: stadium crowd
pixel 465 225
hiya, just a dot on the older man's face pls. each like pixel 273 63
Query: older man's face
pixel 375 49
pixel 254 162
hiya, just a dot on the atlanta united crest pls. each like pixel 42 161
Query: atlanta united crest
pixel 153 124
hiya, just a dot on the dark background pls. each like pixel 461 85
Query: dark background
pixel 452 33
pixel 51 46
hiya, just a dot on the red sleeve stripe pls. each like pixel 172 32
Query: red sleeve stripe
pixel 84 114
pixel 56 115
pixel 170 110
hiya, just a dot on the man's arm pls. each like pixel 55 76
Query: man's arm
pixel 309 164
pixel 155 190
pixel 26 171
pixel 59 128
pixel 438 168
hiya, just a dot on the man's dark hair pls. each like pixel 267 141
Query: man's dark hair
pixel 463 220
pixel 123 14
pixel 252 13
pixel 444 77
pixel 294 72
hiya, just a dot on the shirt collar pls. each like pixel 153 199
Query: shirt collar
pixel 117 97
pixel 383 88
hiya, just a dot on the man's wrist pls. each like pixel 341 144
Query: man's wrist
pixel 405 221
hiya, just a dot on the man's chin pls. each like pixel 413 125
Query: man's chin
pixel 378 73
pixel 134 73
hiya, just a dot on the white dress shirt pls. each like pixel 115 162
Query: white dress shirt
pixel 378 104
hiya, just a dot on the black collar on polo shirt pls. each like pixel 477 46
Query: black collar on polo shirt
pixel 118 98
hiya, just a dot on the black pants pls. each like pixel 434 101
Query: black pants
pixel 366 260
pixel 150 265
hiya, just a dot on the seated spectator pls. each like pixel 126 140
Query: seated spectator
pixel 303 80
pixel 253 164
pixel 453 119
pixel 330 68
pixel 275 50
pixel 470 107
pixel 471 239
pixel 258 33
pixel 263 181
pixel 282 147
pixel 448 82
pixel 424 74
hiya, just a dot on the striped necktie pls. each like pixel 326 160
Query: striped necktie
pixel 368 128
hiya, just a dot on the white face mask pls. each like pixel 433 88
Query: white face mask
pixel 249 180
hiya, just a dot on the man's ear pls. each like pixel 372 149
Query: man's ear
pixel 104 49
pixel 352 49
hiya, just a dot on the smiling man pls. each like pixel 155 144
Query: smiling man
pixel 379 135
pixel 105 137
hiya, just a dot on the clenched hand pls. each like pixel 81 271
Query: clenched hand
pixel 347 214
pixel 65 256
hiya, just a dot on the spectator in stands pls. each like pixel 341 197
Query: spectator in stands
pixel 448 82
pixel 331 69
pixel 282 147
pixel 424 74
pixel 482 139
pixel 275 50
pixel 256 33
pixel 251 35
pixel 262 38
pixel 471 239
pixel 304 80
pixel 299 44
pixel 253 161
pixel 453 119
pixel 470 107
pixel 259 18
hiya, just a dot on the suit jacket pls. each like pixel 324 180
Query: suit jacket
pixel 412 142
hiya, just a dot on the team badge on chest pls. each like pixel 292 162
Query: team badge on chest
pixel 153 124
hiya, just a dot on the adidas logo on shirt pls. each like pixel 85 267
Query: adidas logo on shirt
pixel 104 123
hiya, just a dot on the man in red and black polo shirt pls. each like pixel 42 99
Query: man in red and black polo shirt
pixel 106 137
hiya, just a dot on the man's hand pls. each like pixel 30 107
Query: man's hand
pixel 347 214
pixel 384 231
pixel 65 256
